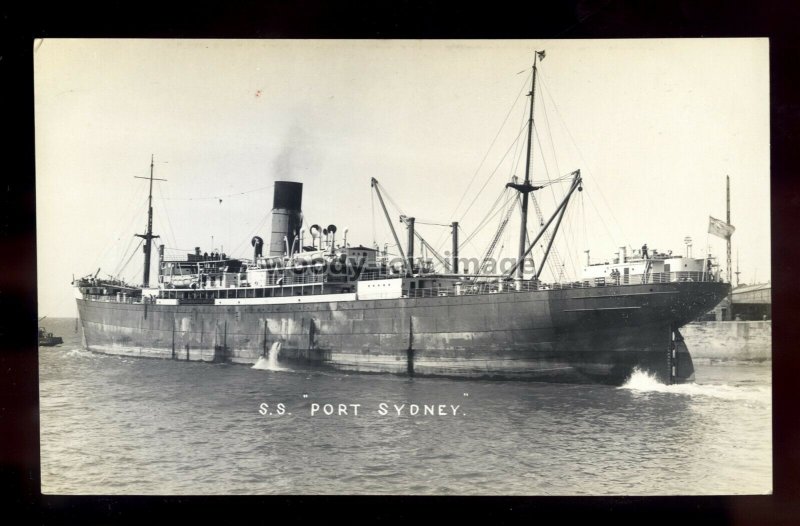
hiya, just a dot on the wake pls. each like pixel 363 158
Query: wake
pixel 78 353
pixel 643 382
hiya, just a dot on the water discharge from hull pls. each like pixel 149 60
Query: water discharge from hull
pixel 270 361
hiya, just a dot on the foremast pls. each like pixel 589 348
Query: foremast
pixel 148 236
pixel 525 188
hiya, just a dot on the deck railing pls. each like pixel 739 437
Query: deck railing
pixel 469 288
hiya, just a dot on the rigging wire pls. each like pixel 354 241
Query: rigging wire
pixel 580 154
pixel 477 170
pixel 514 167
pixel 425 244
pixel 561 185
pixel 569 241
pixel 372 210
pixel 236 194
pixel 253 232
pixel 583 213
pixel 130 258
pixel 419 221
pixel 166 215
pixel 139 272
pixel 392 201
pixel 501 232
pixel 486 155
pixel 552 143
pixel 125 253
pixel 602 222
pixel 517 150
pixel 489 178
pixel 117 232
pixel 493 211
pixel 547 235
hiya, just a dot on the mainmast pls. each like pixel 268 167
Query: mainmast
pixel 525 188
pixel 148 236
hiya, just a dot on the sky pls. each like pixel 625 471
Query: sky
pixel 653 125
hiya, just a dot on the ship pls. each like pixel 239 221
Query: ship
pixel 306 298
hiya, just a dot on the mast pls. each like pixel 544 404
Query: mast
pixel 148 236
pixel 454 267
pixel 525 188
pixel 728 220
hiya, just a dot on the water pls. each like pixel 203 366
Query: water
pixel 270 361
pixel 113 425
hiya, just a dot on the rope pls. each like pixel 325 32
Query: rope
pixel 391 201
pixel 221 196
pixel 552 144
pixel 117 269
pixel 166 216
pixel 500 229
pixel 131 257
pixel 591 202
pixel 442 236
pixel 489 178
pixel 489 149
pixel 580 154
pixel 553 251
pixel 141 203
pixel 372 210
pixel 489 216
pixel 254 231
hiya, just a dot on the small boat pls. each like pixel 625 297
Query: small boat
pixel 47 338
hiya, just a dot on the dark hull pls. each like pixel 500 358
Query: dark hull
pixel 595 334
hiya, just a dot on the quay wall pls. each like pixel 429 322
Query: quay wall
pixel 729 340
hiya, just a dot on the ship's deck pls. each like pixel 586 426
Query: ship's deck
pixel 304 289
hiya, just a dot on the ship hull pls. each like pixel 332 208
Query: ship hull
pixel 597 335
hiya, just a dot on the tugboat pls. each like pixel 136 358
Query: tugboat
pixel 47 339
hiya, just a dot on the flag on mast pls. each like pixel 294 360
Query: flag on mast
pixel 720 228
pixel 541 55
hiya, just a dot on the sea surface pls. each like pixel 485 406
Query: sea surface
pixel 114 425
